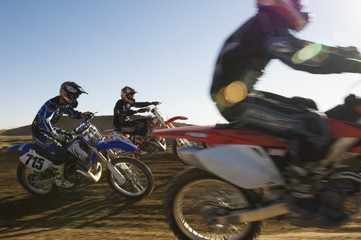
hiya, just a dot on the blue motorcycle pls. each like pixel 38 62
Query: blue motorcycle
pixel 88 153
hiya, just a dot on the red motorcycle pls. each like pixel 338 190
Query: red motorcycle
pixel 241 179
pixel 148 144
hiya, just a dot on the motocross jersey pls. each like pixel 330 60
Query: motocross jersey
pixel 49 114
pixel 264 37
pixel 122 111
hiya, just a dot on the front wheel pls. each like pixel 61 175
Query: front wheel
pixel 139 180
pixel 37 183
pixel 195 197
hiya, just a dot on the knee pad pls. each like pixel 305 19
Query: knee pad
pixel 58 154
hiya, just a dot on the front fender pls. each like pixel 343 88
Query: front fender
pixel 23 147
pixel 246 166
pixel 116 144
pixel 174 119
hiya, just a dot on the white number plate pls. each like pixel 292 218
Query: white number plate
pixel 34 161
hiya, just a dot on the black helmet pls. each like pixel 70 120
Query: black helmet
pixel 70 91
pixel 127 94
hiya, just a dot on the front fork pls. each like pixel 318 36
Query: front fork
pixel 108 161
pixel 180 141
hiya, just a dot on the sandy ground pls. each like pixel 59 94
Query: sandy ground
pixel 97 212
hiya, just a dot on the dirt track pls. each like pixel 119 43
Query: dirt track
pixel 97 212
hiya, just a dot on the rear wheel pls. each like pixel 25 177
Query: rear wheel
pixel 37 183
pixel 138 179
pixel 195 198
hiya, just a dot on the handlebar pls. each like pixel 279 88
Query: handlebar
pixel 84 124
pixel 88 115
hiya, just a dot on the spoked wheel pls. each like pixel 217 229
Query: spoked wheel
pixel 182 143
pixel 195 198
pixel 38 183
pixel 138 179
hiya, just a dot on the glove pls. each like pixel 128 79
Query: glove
pixel 60 137
pixel 88 115
pixel 143 110
pixel 352 100
pixel 155 103
pixel 350 52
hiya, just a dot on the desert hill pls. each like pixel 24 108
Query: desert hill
pixel 102 122
pixel 66 123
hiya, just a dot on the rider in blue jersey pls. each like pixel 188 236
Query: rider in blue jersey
pixel 50 137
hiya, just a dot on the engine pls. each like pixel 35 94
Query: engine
pixel 73 175
pixel 342 192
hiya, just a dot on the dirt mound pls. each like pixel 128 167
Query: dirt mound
pixel 102 122
pixel 66 123
pixel 97 212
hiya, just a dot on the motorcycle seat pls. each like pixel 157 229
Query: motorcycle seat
pixel 39 150
pixel 344 113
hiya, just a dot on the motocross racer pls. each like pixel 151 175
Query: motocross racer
pixel 241 62
pixel 50 137
pixel 123 111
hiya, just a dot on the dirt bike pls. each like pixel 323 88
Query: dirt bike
pixel 87 153
pixel 241 179
pixel 148 144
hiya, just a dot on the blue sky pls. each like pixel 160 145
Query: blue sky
pixel 165 49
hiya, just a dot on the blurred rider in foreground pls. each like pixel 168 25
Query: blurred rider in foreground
pixel 50 137
pixel 241 62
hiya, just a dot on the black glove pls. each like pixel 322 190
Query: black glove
pixel 143 110
pixel 60 137
pixel 155 103
pixel 350 52
pixel 352 100
pixel 88 115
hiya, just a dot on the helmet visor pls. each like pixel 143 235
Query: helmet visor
pixel 73 96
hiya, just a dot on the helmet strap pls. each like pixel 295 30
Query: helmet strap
pixel 66 99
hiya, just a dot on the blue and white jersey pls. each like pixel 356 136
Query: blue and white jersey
pixel 50 113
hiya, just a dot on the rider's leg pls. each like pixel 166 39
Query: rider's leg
pixel 304 178
pixel 58 153
pixel 60 181
pixel 291 122
pixel 305 208
pixel 58 166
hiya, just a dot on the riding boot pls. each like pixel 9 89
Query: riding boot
pixel 305 210
pixel 60 181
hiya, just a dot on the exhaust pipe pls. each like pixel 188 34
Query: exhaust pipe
pixel 93 177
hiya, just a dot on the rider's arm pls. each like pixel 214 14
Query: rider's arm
pixel 71 112
pixel 142 104
pixel 44 117
pixel 121 112
pixel 313 57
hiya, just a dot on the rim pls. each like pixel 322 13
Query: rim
pixel 136 182
pixel 32 179
pixel 196 203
